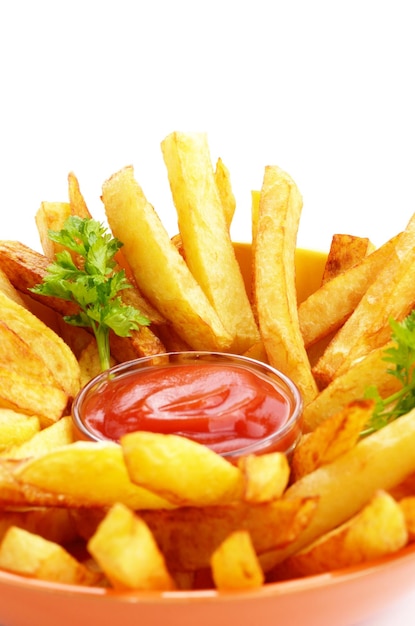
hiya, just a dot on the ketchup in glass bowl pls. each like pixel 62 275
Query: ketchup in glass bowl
pixel 235 405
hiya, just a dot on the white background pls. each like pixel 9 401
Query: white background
pixel 322 89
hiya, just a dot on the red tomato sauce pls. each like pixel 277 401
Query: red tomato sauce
pixel 225 407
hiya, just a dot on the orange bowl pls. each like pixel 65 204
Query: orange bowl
pixel 343 597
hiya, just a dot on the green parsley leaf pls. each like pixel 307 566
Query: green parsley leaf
pixel 95 285
pixel 401 357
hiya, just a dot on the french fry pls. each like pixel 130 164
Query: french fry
pixel 345 252
pixel 77 203
pixel 15 428
pixel 26 268
pixel 58 434
pixel 343 487
pixel 161 464
pixel 70 471
pixel 205 234
pixel 44 342
pixel 127 552
pixel 235 564
pixel 391 295
pixel 274 245
pixel 29 554
pixel 333 437
pixel 25 394
pixel 378 530
pixel 266 476
pixel 51 216
pixel 326 309
pixel 351 386
pixel 160 271
pixel 224 187
pixel 7 288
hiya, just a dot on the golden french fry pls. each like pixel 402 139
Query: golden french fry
pixel 274 246
pixel 51 216
pixel 25 394
pixel 58 434
pixel 327 308
pixel 351 386
pixel 44 342
pixel 160 271
pixel 345 252
pixel 343 487
pixel 224 187
pixel 77 202
pixel 126 551
pixel 16 428
pixel 26 268
pixel 266 476
pixel 18 356
pixel 235 565
pixel 391 295
pixel 205 234
pixel 28 554
pixel 7 288
pixel 331 438
pixel 161 464
pixel 70 471
pixel 378 530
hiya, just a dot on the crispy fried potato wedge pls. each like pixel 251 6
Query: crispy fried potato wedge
pixel 51 216
pixel 351 386
pixel 161 464
pixel 7 288
pixel 234 563
pixel 333 437
pixel 29 554
pixel 266 476
pixel 25 394
pixel 343 487
pixel 279 211
pixel 16 428
pixel 345 252
pixel 224 187
pixel 26 268
pixel 127 552
pixel 71 471
pixel 58 434
pixel 391 295
pixel 188 536
pixel 326 309
pixel 77 203
pixel 205 235
pixel 44 342
pixel 18 356
pixel 378 530
pixel 160 271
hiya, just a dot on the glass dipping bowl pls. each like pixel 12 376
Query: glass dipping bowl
pixel 284 438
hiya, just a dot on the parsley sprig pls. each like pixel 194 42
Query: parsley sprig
pixel 93 283
pixel 401 356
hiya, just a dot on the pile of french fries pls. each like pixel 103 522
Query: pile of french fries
pixel 160 512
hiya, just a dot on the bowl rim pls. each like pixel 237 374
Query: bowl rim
pixel 268 590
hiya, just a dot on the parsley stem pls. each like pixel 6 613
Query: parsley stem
pixel 102 337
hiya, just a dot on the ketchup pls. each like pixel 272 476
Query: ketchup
pixel 224 406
